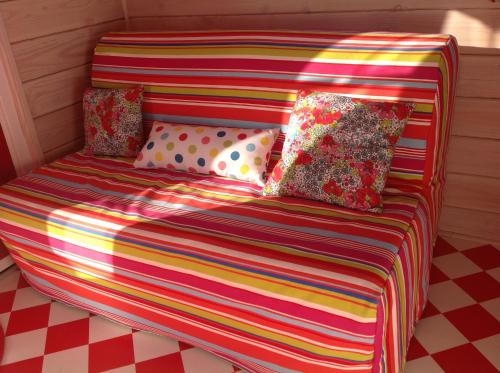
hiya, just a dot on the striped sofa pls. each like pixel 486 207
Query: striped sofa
pixel 273 284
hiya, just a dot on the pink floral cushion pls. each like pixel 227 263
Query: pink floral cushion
pixel 113 121
pixel 338 150
pixel 238 153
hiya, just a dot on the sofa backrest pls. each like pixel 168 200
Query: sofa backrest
pixel 250 79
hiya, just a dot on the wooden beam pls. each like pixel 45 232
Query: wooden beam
pixel 15 117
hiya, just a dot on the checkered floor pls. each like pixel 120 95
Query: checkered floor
pixel 460 331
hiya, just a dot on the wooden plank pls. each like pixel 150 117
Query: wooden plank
pixel 56 91
pixel 60 127
pixel 28 19
pixel 476 117
pixel 144 8
pixel 65 149
pixel 16 123
pixel 50 54
pixel 463 242
pixel 472 27
pixel 470 50
pixel 472 192
pixel 473 156
pixel 479 76
pixel 471 222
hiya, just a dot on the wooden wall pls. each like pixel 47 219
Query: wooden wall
pixel 472 198
pixel 52 43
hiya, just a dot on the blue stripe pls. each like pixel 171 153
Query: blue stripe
pixel 215 122
pixel 412 143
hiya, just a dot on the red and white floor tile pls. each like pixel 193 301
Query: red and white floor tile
pixel 460 330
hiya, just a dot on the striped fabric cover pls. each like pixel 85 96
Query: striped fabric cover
pixel 250 78
pixel 272 284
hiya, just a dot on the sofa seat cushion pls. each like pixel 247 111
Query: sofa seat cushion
pixel 271 283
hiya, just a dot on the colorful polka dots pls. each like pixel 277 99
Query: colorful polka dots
pixel 244 169
pixel 233 152
pixel 250 147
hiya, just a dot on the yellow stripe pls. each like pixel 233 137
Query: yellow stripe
pixel 277 51
pixel 75 272
pixel 311 294
pixel 328 212
pixel 247 93
pixel 275 247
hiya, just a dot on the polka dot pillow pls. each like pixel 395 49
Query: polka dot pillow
pixel 239 153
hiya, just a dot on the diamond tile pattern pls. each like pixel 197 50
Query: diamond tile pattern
pixel 459 331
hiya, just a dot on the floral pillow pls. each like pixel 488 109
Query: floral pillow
pixel 338 150
pixel 239 153
pixel 113 121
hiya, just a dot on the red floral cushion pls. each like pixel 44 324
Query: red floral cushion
pixel 338 149
pixel 113 121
